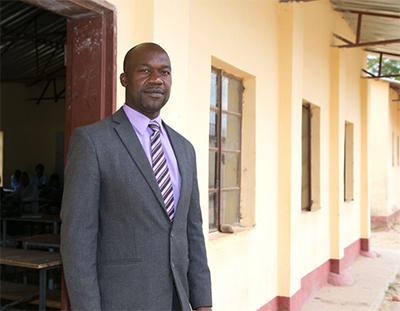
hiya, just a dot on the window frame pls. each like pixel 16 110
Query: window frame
pixel 348 162
pixel 219 150
pixel 308 206
pixel 313 164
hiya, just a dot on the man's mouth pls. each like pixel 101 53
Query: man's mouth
pixel 154 92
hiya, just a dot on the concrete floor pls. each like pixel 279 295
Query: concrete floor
pixel 372 277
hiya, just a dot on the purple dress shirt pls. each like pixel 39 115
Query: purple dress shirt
pixel 140 124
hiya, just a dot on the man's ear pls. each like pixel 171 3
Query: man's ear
pixel 123 79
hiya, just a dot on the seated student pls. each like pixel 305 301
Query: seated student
pixel 28 195
pixel 40 179
pixel 50 196
pixel 16 180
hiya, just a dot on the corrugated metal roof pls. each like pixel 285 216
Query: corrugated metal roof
pixel 31 42
pixel 373 27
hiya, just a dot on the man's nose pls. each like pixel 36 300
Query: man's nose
pixel 155 77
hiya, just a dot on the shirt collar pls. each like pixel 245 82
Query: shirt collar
pixel 139 121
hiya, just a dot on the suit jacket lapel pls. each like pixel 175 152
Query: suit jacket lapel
pixel 132 144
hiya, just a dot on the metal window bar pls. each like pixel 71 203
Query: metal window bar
pixel 308 205
pixel 219 150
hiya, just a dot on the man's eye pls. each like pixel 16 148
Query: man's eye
pixel 145 70
pixel 166 72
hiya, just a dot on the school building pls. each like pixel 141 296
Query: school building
pixel 298 144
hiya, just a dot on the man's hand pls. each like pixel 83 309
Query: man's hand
pixel 204 309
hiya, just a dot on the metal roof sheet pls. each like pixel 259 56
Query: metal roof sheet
pixel 374 27
pixel 31 43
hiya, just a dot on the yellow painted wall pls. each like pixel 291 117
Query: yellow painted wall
pixel 380 146
pixel 350 112
pixel 228 31
pixel 283 52
pixel 329 78
pixel 384 130
pixel 394 163
pixel 316 75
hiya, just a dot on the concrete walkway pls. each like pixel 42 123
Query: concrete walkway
pixel 372 277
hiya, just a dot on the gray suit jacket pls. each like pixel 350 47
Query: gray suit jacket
pixel 119 249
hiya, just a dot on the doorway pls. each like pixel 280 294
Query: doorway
pixel 71 66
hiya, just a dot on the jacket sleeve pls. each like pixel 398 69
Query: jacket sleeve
pixel 199 273
pixel 79 215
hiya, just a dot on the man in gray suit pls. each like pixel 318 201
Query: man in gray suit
pixel 131 236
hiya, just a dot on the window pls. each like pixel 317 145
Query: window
pixel 398 150
pixel 393 149
pixel 310 151
pixel 225 132
pixel 348 162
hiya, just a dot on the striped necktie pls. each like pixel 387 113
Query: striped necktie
pixel 161 170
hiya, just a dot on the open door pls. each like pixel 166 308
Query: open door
pixel 90 58
pixel 90 64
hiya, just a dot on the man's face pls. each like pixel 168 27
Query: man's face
pixel 147 80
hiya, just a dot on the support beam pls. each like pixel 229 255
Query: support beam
pixel 383 76
pixel 43 92
pixel 342 38
pixel 45 98
pixel 380 64
pixel 359 21
pixel 380 42
pixel 55 90
pixel 12 37
pixel 368 13
pixel 382 52
pixel 59 72
pixel 368 73
pixel 58 96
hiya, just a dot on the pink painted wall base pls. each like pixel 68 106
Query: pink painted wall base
pixel 332 271
pixel 385 221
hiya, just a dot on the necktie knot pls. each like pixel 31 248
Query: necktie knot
pixel 154 126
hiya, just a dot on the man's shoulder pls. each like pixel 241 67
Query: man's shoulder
pixel 99 127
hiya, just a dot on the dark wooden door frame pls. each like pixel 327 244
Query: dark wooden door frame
pixel 90 57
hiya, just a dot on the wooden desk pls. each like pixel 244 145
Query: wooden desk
pixel 19 293
pixel 40 240
pixel 38 260
pixel 41 218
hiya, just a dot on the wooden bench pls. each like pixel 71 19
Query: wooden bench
pixel 49 241
pixel 16 291
pixel 41 261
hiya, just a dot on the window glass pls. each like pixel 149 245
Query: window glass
pixel 230 164
pixel 230 131
pixel 213 98
pixel 212 132
pixel 212 169
pixel 230 207
pixel 212 211
pixel 231 94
